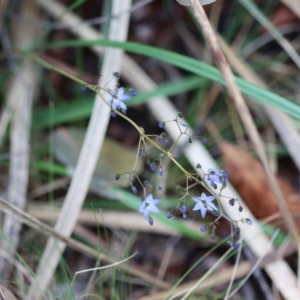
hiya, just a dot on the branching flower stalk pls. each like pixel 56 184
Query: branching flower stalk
pixel 209 180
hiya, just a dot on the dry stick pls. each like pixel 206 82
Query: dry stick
pixel 280 120
pixel 21 93
pixel 45 229
pixel 243 110
pixel 88 156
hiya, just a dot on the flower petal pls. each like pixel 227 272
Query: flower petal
pixel 212 206
pixel 146 213
pixel 195 199
pixel 149 198
pixel 210 198
pixel 155 201
pixel 122 106
pixel 125 97
pixel 154 209
pixel 203 211
pixel 142 207
pixel 198 206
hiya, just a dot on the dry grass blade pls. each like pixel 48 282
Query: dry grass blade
pixel 234 271
pixel 88 156
pixel 281 40
pixel 40 227
pixel 110 219
pixel 6 294
pixel 225 275
pixel 280 120
pixel 21 93
pixel 163 110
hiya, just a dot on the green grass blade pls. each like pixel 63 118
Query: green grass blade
pixel 81 109
pixel 194 66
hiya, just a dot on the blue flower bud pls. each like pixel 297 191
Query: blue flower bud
pixel 203 228
pixel 113 113
pixel 240 209
pixel 212 237
pixel 184 208
pixel 235 245
pixel 183 124
pixel 132 92
pixel 139 152
pixel 134 189
pixel 248 221
pixel 150 220
pixel 153 166
pixel 203 140
pixel 185 217
pixel 237 233
pixel 198 166
pixel 190 140
pixel 215 213
pixel 179 115
pixel 160 172
pixel 161 124
pixel 169 215
pixel 158 187
pixel 83 88
pixel 117 75
pixel 231 202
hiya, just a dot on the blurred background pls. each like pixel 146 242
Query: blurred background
pixel 45 117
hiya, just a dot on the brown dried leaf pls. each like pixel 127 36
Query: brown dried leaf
pixel 251 182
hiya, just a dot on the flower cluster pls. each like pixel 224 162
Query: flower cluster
pixel 203 203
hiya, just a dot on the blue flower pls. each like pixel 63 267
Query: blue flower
pixel 149 205
pixel 117 101
pixel 204 204
pixel 217 176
